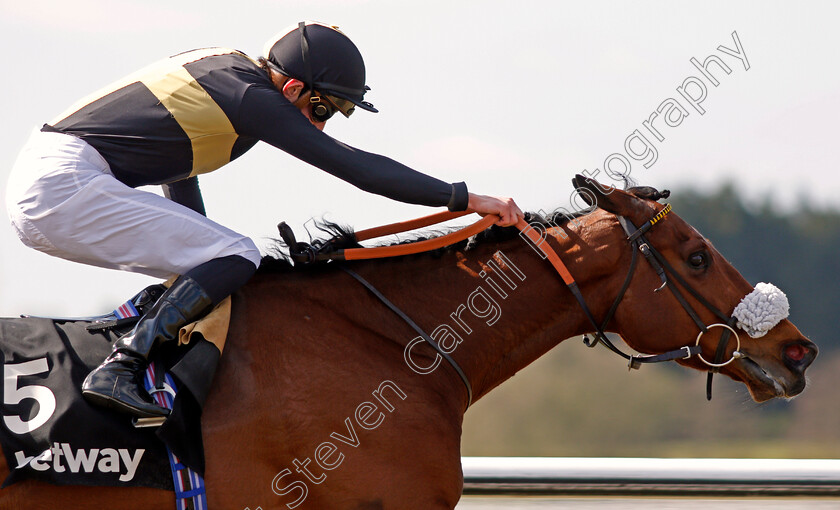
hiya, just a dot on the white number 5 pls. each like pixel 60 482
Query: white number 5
pixel 13 395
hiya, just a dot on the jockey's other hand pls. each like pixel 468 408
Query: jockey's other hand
pixel 504 207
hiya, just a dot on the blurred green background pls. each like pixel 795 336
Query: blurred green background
pixel 577 401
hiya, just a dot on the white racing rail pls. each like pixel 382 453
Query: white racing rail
pixel 651 477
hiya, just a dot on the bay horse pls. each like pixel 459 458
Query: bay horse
pixel 325 399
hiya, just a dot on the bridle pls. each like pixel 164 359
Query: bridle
pixel 640 244
pixel 305 253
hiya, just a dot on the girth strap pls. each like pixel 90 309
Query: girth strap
pixel 416 328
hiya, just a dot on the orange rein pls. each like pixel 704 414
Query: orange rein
pixel 419 246
pixel 539 241
pixel 451 238
pixel 526 230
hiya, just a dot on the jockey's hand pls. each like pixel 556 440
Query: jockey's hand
pixel 505 208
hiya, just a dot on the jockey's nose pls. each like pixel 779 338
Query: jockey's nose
pixel 798 355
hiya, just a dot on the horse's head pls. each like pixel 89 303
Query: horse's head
pixel 651 317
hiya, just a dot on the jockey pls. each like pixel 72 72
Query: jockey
pixel 72 190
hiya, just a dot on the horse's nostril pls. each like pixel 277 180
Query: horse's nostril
pixel 795 352
pixel 799 355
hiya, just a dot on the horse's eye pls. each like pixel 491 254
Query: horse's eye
pixel 698 260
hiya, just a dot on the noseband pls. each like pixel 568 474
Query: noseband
pixel 668 276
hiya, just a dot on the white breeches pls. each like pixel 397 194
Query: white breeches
pixel 63 200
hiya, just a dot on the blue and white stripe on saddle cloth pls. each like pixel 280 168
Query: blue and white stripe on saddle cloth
pixel 190 492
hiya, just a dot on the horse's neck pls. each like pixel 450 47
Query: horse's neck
pixel 501 303
pixel 495 308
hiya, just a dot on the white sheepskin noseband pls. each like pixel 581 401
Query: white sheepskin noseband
pixel 761 310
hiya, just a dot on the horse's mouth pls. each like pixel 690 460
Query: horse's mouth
pixel 763 385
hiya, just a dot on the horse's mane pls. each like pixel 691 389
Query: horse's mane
pixel 335 236
pixel 341 237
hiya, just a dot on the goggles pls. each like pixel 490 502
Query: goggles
pixel 324 106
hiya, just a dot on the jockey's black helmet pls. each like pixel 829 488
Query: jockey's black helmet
pixel 323 58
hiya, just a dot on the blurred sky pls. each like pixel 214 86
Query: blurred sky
pixel 512 97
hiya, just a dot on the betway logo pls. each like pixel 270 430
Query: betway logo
pixel 61 457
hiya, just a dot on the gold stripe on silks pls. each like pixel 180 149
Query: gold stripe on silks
pixel 210 132
pixel 205 123
pixel 162 66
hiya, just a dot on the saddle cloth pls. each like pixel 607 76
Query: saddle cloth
pixel 49 432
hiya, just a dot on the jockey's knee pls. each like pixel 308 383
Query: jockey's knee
pixel 222 276
pixel 251 253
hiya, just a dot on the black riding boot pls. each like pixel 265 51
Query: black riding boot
pixel 118 382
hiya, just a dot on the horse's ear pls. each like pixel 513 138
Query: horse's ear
pixel 609 199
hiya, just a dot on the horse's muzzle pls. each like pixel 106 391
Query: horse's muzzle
pixel 782 377
pixel 799 355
